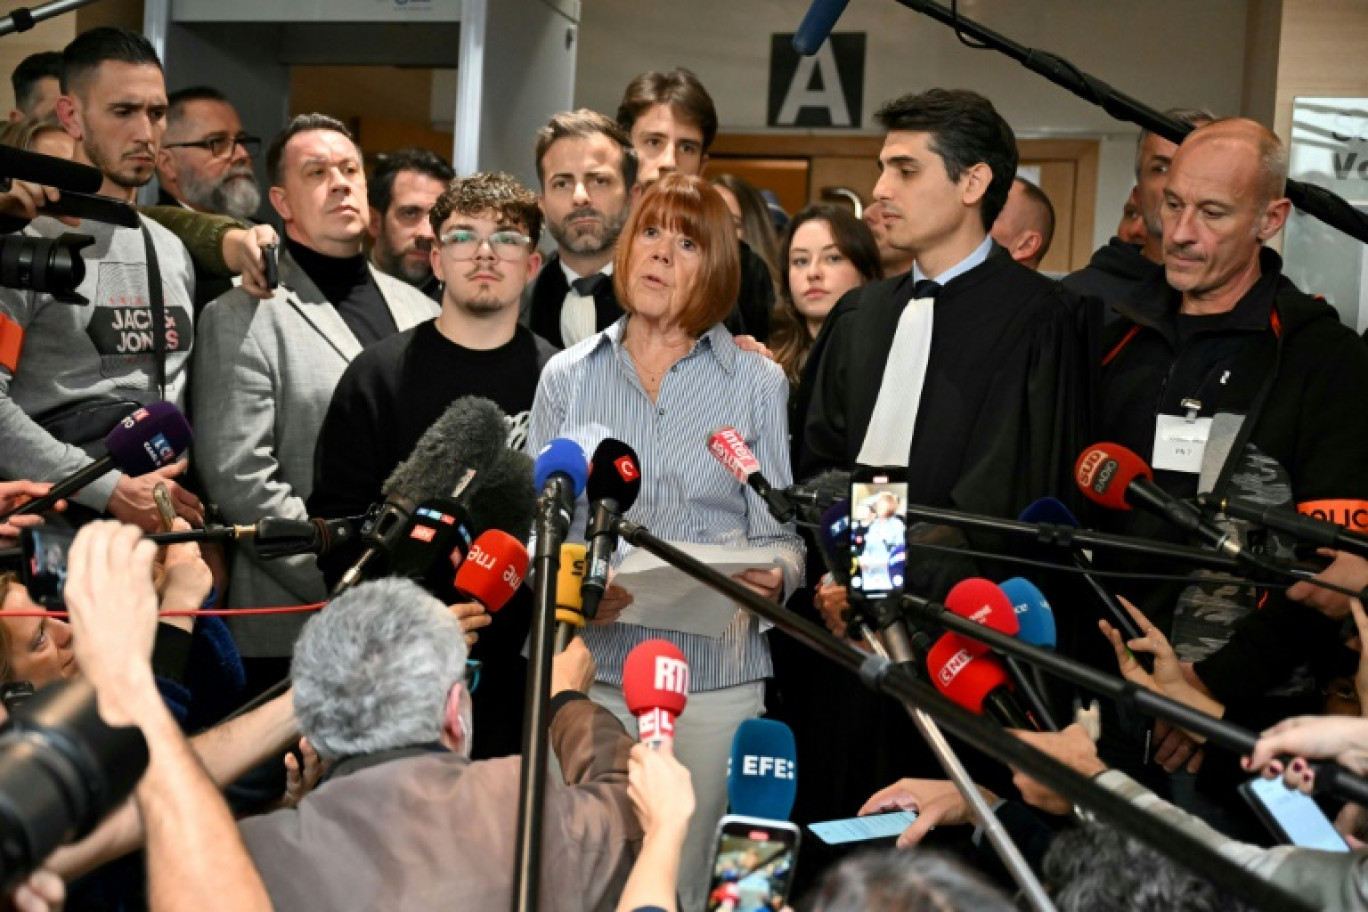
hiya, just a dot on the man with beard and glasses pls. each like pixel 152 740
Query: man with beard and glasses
pixel 403 188
pixel 205 165
pixel 69 374
pixel 487 226
pixel 587 168
pixel 205 162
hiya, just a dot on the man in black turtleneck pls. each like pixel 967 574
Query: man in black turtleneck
pixel 265 371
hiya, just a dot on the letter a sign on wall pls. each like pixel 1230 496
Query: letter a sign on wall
pixel 825 90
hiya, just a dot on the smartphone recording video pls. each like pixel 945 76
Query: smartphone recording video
pixel 878 535
pixel 752 864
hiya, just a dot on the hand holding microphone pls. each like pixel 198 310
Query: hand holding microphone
pixel 489 576
pixel 655 687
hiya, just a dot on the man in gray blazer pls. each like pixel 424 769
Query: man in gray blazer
pixel 264 372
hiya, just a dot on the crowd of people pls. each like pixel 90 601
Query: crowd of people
pixel 311 352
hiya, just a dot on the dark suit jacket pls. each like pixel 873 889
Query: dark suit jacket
pixel 548 295
pixel 542 306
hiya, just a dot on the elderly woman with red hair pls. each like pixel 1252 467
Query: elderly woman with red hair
pixel 661 379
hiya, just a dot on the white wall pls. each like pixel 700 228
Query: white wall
pixel 1162 52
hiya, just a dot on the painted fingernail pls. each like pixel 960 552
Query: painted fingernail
pixel 1297 765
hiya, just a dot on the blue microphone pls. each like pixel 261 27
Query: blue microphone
pixel 560 473
pixel 817 25
pixel 1051 511
pixel 1034 615
pixel 762 773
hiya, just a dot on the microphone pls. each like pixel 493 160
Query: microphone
pixel 655 686
pixel 569 594
pixel 727 445
pixel 559 473
pixel 505 499
pixel 820 491
pixel 464 441
pixel 816 26
pixel 1052 511
pixel 1035 618
pixel 434 544
pixel 614 484
pixel 493 570
pixel 1311 529
pixel 1116 478
pixel 976 682
pixel 982 602
pixel 273 537
pixel 833 537
pixel 762 772
pixel 20 164
pixel 150 438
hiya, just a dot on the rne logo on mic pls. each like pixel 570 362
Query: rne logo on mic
pixel 481 558
pixel 627 468
pixel 672 675
pixel 776 767
pixel 953 667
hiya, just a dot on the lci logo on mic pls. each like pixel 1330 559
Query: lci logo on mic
pixel 671 674
pixel 158 449
pixel 953 667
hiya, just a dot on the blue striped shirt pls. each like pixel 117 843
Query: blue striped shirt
pixel 591 391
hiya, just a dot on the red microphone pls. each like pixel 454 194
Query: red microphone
pixel 976 682
pixel 729 448
pixel 983 602
pixel 493 570
pixel 655 685
pixel 1116 478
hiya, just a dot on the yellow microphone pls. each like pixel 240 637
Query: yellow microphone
pixel 569 616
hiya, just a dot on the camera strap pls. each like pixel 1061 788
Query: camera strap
pixel 155 297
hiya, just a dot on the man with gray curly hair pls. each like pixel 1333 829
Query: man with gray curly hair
pixel 404 820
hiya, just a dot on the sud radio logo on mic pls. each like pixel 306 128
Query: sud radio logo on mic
pixel 1095 470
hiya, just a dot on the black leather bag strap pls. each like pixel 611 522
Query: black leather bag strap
pixel 154 294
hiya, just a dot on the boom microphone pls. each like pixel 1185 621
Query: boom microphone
pixel 1310 529
pixel 445 463
pixel 729 448
pixel 505 499
pixel 762 773
pixel 976 682
pixel 820 491
pixel 614 484
pixel 655 686
pixel 569 594
pixel 816 26
pixel 48 170
pixel 152 437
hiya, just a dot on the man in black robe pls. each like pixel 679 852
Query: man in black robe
pixel 987 414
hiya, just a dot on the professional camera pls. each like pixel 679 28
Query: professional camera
pixel 62 769
pixel 50 265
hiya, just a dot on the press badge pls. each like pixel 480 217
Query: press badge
pixel 1179 443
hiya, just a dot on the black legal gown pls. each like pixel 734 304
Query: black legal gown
pixel 1004 413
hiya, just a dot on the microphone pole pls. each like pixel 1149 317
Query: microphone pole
pixel 554 510
pixel 23 18
pixel 1314 201
pixel 876 673
pixel 1217 731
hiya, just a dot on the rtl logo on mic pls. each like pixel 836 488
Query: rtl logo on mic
pixel 672 675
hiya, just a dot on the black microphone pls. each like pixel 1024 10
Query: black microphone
pixel 50 171
pixel 819 492
pixel 273 537
pixel 614 484
pixel 817 25
pixel 506 499
pixel 445 462
pixel 1310 529
pixel 150 438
